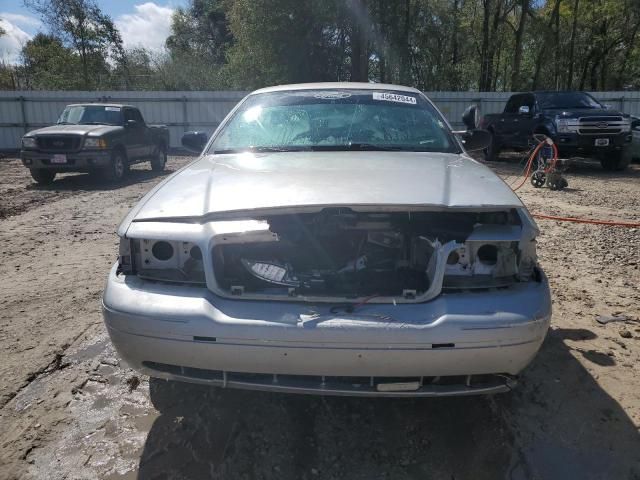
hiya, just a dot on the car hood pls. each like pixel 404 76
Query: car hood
pixel 74 130
pixel 582 112
pixel 216 184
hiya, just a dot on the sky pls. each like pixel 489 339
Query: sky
pixel 141 23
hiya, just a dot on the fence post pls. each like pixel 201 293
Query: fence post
pixel 185 118
pixel 23 112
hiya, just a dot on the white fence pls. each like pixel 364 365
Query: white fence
pixel 23 111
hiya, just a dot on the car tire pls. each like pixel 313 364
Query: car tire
pixel 616 161
pixel 159 159
pixel 42 176
pixel 118 167
pixel 492 152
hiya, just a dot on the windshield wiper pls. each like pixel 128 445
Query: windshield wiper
pixel 96 123
pixel 373 147
pixel 65 123
pixel 262 149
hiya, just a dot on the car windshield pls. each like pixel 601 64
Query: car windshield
pixel 91 115
pixel 567 100
pixel 335 120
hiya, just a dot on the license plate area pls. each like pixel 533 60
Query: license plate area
pixel 59 158
pixel 602 142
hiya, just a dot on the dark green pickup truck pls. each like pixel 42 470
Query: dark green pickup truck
pixel 103 139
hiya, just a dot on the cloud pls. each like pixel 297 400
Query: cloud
pixel 18 19
pixel 148 27
pixel 12 41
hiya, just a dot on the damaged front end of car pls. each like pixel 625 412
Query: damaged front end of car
pixel 343 254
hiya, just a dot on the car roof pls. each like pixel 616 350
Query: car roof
pixel 336 86
pixel 100 104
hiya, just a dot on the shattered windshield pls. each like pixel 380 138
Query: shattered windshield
pixel 91 115
pixel 335 120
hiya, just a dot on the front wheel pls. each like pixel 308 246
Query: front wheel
pixel 159 159
pixel 118 168
pixel 615 161
pixel 42 176
pixel 492 152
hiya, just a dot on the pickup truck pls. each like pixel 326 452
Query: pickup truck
pixel 99 138
pixel 577 123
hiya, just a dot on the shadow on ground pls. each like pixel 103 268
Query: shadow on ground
pixel 88 182
pixel 558 424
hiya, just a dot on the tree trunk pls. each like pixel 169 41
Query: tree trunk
pixel 455 74
pixel 359 47
pixel 572 45
pixel 517 55
pixel 545 44
pixel 405 47
pixel 483 83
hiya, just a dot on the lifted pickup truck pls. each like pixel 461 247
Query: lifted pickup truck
pixel 103 139
pixel 577 123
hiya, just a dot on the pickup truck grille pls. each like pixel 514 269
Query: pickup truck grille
pixel 58 143
pixel 600 125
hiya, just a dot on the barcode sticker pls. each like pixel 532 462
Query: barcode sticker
pixel 394 97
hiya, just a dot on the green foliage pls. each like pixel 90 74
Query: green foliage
pixel 48 65
pixel 485 45
pixel 83 27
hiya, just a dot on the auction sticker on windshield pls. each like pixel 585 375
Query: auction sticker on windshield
pixel 394 97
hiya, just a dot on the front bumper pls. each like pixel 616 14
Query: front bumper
pixel 188 333
pixel 575 144
pixel 76 161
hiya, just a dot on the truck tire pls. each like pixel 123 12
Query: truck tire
pixel 159 159
pixel 42 176
pixel 616 161
pixel 118 168
pixel 492 152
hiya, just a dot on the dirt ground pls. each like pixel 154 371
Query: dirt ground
pixel 71 410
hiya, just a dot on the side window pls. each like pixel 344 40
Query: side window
pixel 137 116
pixel 128 115
pixel 513 104
pixel 529 101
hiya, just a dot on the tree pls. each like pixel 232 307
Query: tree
pixel 48 65
pixel 90 33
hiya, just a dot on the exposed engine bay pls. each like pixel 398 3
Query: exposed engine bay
pixel 339 252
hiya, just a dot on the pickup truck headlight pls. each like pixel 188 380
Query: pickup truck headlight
pixel 162 260
pixel 95 143
pixel 29 142
pixel 566 125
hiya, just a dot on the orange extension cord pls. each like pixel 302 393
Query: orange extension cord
pixel 527 171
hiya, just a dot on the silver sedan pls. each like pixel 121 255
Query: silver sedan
pixel 331 239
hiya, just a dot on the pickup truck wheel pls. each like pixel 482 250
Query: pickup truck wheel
pixel 118 168
pixel 159 159
pixel 615 161
pixel 42 176
pixel 492 152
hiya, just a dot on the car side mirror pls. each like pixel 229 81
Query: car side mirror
pixel 474 140
pixel 607 106
pixel 523 109
pixel 471 117
pixel 131 123
pixel 194 141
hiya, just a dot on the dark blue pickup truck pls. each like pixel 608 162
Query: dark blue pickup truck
pixel 577 123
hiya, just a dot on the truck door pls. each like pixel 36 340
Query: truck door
pixel 134 134
pixel 525 121
pixel 509 122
